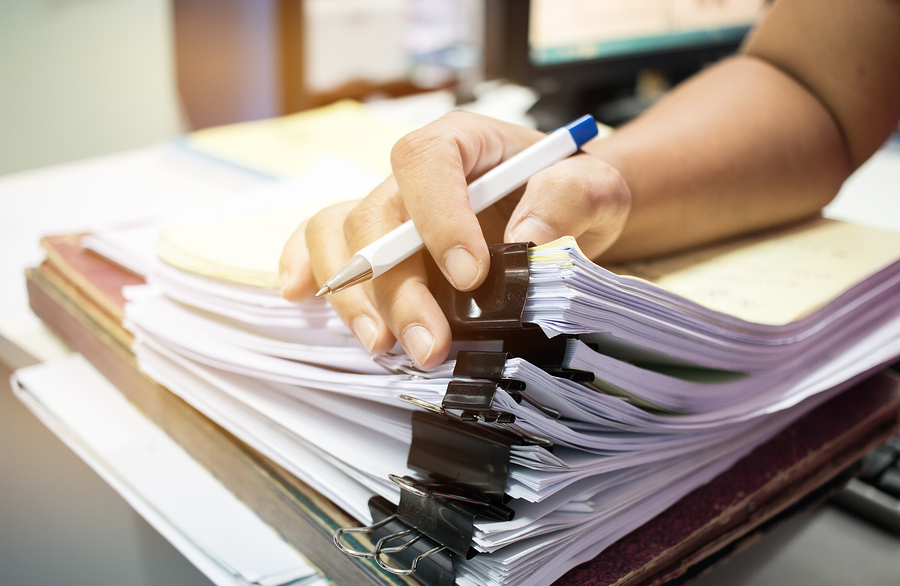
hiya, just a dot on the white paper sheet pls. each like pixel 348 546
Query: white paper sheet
pixel 183 501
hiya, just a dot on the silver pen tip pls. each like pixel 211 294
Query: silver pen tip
pixel 355 271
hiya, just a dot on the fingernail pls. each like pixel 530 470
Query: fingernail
pixel 285 281
pixel 419 343
pixel 462 268
pixel 534 230
pixel 365 330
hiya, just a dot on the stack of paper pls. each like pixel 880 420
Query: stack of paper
pixel 733 326
pixel 694 367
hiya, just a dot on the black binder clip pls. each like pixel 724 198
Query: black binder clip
pixel 468 394
pixel 467 468
pixel 416 553
pixel 495 306
pixel 462 447
pixel 472 398
pixel 494 310
pixel 490 365
pixel 433 522
pixel 461 454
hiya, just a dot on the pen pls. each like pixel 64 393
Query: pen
pixel 404 241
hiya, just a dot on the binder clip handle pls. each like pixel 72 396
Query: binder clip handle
pixel 431 561
pixel 413 566
pixel 381 548
pixel 336 538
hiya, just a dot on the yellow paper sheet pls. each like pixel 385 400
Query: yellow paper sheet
pixel 285 146
pixel 243 250
pixel 774 278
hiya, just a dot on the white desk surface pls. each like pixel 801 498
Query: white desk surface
pixel 821 547
pixel 61 523
pixel 109 190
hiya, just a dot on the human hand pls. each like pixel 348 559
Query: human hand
pixel 581 196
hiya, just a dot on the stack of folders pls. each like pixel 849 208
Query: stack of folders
pixel 578 402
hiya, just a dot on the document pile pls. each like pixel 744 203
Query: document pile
pixel 671 375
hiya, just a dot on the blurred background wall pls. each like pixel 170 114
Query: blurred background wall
pixel 84 77
pixel 227 59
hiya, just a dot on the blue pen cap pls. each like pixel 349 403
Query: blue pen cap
pixel 583 129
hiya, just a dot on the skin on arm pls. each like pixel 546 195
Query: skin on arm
pixel 761 139
pixel 764 138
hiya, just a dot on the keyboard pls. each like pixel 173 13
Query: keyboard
pixel 875 495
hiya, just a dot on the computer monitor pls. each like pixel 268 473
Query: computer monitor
pixel 586 56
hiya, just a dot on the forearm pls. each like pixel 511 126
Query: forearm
pixel 741 147
pixel 764 138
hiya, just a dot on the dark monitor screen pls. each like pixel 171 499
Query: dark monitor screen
pixel 582 55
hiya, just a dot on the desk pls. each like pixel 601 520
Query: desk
pixel 821 547
pixel 61 523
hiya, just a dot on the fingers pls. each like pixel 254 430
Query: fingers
pixel 328 252
pixel 581 196
pixel 405 306
pixel 432 167
pixel 411 312
pixel 297 280
pixel 397 305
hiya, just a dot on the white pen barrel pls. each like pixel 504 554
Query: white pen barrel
pixel 514 172
pixel 401 243
pixel 384 255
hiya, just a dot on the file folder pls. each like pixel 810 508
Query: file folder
pixel 801 460
pixel 461 448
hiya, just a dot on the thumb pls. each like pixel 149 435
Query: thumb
pixel 582 196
